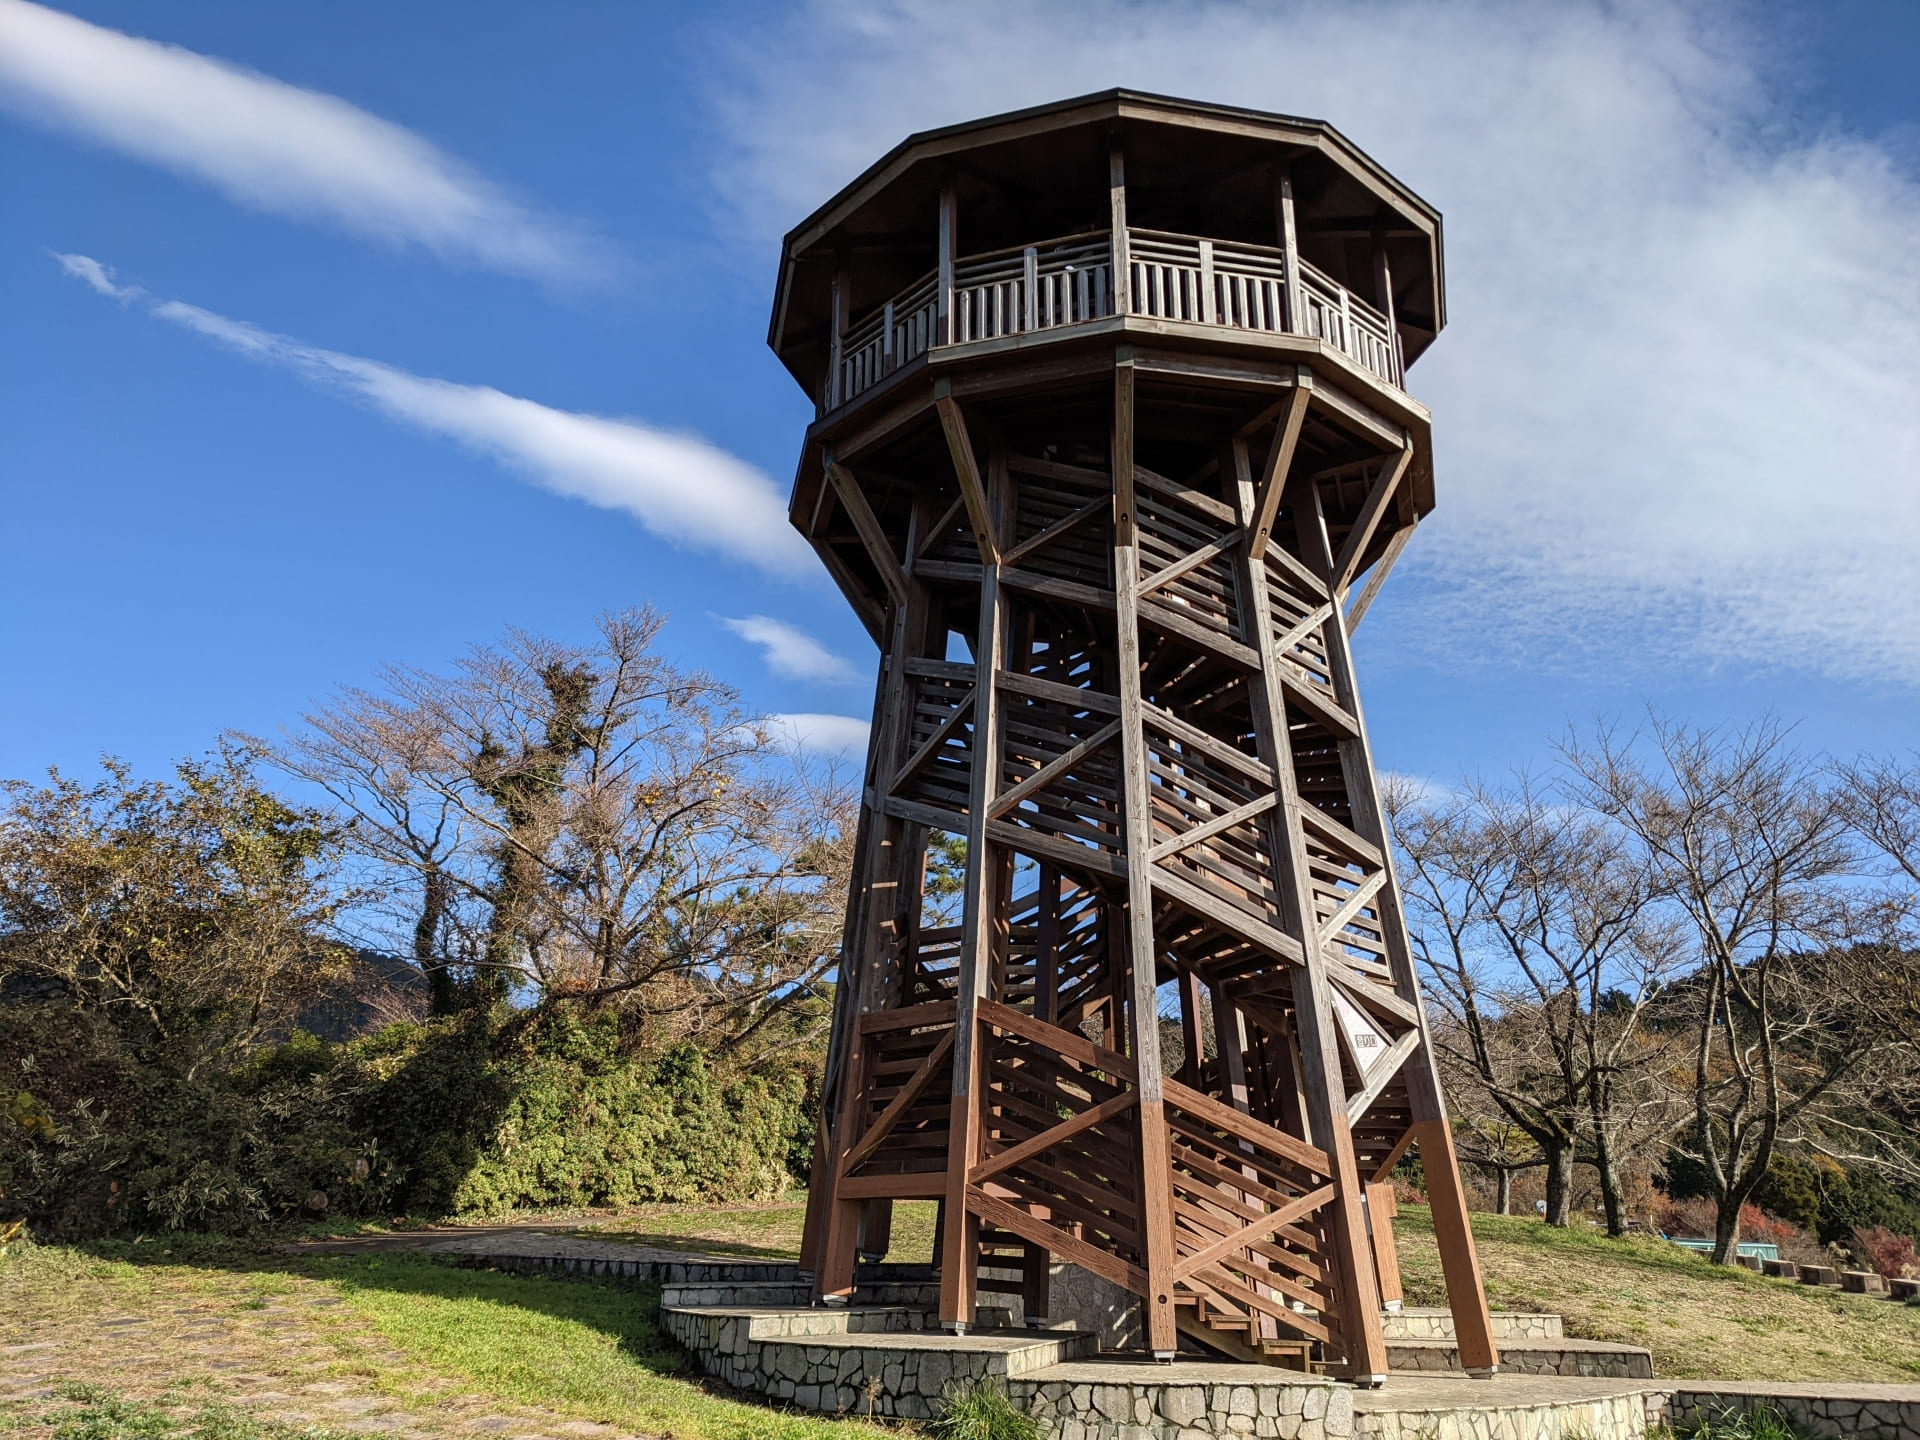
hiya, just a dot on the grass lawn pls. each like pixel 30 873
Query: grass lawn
pixel 1699 1320
pixel 205 1341
pixel 415 1345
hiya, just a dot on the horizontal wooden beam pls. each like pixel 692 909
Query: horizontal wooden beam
pixel 912 1185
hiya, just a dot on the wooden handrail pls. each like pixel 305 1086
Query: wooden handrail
pixel 1070 280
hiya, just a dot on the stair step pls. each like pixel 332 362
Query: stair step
pixel 845 1359
pixel 1434 1323
pixel 1587 1359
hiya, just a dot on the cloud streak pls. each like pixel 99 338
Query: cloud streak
pixel 678 486
pixel 791 652
pixel 1674 416
pixel 274 147
pixel 824 734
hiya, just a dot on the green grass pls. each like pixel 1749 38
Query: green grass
pixel 420 1331
pixel 980 1410
pixel 1762 1422
pixel 592 1351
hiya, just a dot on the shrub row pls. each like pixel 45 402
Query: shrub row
pixel 473 1114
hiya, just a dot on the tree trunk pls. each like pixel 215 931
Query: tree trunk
pixel 1726 1231
pixel 1559 1184
pixel 1608 1166
pixel 1506 1190
pixel 443 996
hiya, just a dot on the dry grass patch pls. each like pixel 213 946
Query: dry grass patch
pixel 1700 1320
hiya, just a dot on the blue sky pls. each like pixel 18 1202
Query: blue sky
pixel 414 322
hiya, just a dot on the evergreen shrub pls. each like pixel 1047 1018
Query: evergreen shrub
pixel 477 1113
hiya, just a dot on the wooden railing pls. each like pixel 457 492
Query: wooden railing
pixel 1070 281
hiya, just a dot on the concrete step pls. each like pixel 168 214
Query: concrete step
pixel 1586 1359
pixel 878 1360
pixel 1434 1322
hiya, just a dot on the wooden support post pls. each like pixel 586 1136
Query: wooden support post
pixel 960 1243
pixel 876 1229
pixel 1383 291
pixel 1356 1293
pixel 842 305
pixel 1192 1035
pixel 1466 1295
pixel 1156 1165
pixel 872 947
pixel 1117 210
pixel 1381 1209
pixel 949 253
pixel 1036 1282
pixel 1290 242
pixel 1046 958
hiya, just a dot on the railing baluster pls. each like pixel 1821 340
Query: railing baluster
pixel 1073 281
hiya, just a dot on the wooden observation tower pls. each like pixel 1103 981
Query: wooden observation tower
pixel 1112 453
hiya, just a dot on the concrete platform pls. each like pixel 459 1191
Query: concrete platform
pixel 861 1360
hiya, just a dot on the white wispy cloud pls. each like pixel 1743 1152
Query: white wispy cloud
pixel 97 277
pixel 275 147
pixel 679 486
pixel 790 651
pixel 826 734
pixel 1674 411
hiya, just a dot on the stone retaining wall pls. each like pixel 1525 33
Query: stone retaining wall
pixel 1608 1417
pixel 1090 1402
pixel 1575 1359
pixel 839 1374
pixel 1825 1412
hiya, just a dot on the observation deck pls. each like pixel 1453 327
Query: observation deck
pixel 1067 283
pixel 1228 229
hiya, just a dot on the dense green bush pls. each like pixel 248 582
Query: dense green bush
pixel 475 1113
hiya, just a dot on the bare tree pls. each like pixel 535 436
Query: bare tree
pixel 1748 843
pixel 592 822
pixel 1547 960
pixel 1881 800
